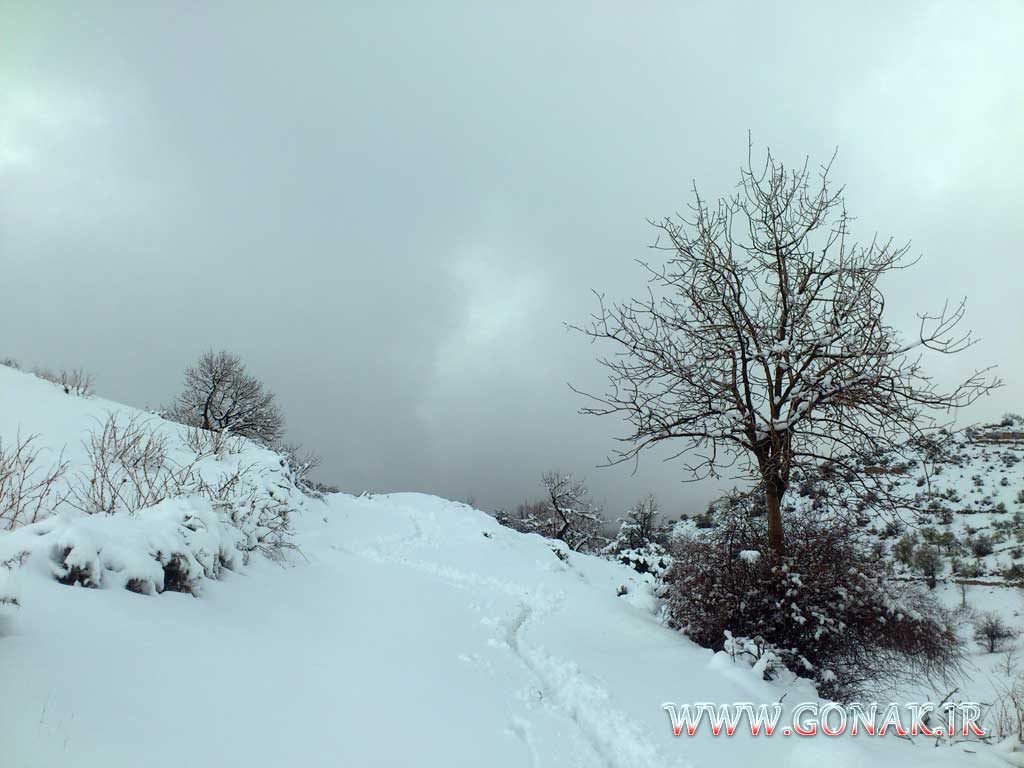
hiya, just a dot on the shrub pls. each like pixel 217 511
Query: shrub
pixel 128 469
pixel 641 541
pixel 301 463
pixel 29 487
pixel 704 520
pixel 206 442
pixel 928 561
pixel 1006 714
pixel 827 608
pixel 74 382
pixel 968 570
pixel 903 550
pixel 981 545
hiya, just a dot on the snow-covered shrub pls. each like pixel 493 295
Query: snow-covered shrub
pixel 257 504
pixel 206 442
pixel 8 589
pixel 28 483
pixel 301 462
pixel 74 382
pixel 129 469
pixel 641 540
pixel 827 607
pixel 170 547
pixel 1005 716
pixel 764 658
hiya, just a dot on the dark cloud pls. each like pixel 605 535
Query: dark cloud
pixel 390 212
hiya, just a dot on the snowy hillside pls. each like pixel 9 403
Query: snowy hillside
pixel 402 630
pixel 967 492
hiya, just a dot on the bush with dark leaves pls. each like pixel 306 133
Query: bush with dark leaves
pixel 826 608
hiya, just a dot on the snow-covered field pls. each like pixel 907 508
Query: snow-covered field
pixel 405 630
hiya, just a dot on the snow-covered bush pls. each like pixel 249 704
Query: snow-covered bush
pixel 206 442
pixel 641 542
pixel 301 462
pixel 827 607
pixel 8 589
pixel 1005 715
pixel 761 656
pixel 29 485
pixel 132 467
pixel 258 503
pixel 74 382
pixel 128 469
pixel 171 547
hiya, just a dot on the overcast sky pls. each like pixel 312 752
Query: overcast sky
pixel 390 212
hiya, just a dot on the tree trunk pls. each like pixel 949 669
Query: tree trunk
pixel 773 502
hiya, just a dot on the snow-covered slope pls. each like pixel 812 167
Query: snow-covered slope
pixel 968 494
pixel 406 631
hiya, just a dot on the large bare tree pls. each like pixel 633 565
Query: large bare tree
pixel 220 395
pixel 763 339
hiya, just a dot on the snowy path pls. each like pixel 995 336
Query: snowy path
pixel 416 632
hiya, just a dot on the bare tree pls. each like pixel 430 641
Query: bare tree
pixel 567 514
pixel 991 631
pixel 571 515
pixel 762 340
pixel 220 395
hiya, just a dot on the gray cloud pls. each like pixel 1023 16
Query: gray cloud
pixel 390 212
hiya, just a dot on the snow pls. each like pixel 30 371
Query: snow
pixel 406 630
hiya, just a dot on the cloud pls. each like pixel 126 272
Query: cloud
pixel 391 213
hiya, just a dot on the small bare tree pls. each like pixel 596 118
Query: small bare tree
pixel 567 514
pixel 219 395
pixel 763 340
pixel 991 631
pixel 640 526
pixel 571 515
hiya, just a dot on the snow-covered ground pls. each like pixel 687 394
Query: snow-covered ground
pixel 406 630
